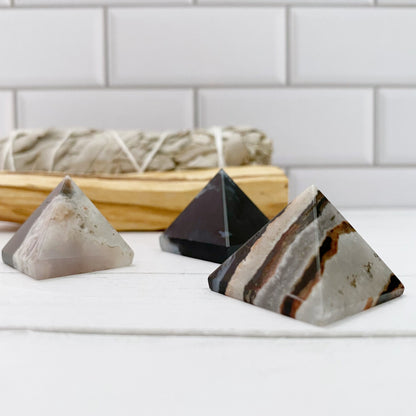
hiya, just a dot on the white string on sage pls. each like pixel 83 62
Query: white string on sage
pixel 90 151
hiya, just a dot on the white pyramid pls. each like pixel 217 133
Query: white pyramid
pixel 66 235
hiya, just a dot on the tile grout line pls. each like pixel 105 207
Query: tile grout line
pixel 347 166
pixel 195 104
pixel 288 170
pixel 375 126
pixel 194 4
pixel 106 45
pixel 297 86
pixel 288 46
pixel 15 109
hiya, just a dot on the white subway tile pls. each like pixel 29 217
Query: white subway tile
pixel 94 2
pixel 396 126
pixel 115 109
pixel 51 47
pixel 308 126
pixel 190 46
pixel 359 187
pixel 353 45
pixel 6 113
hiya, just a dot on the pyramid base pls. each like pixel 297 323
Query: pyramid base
pixel 197 250
pixel 46 269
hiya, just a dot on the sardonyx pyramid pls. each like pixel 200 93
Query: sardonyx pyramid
pixel 308 263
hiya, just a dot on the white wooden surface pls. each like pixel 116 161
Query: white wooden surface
pixel 152 339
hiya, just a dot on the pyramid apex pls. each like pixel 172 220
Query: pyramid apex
pixel 313 189
pixel 67 185
pixel 222 172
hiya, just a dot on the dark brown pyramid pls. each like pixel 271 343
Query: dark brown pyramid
pixel 215 224
pixel 308 263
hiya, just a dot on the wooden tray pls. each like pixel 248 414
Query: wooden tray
pixel 147 201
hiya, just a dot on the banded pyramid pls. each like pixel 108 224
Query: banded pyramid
pixel 308 263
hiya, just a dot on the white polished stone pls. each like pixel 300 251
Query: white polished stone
pixel 66 235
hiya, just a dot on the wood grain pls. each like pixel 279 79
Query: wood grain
pixel 148 201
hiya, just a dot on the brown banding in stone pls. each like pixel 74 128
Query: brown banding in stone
pixel 268 268
pixel 369 303
pixel 331 241
pixel 228 268
pixel 393 289
pixel 311 276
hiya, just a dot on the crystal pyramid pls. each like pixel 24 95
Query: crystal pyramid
pixel 308 263
pixel 66 235
pixel 215 224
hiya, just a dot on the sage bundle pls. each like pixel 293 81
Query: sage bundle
pixel 92 152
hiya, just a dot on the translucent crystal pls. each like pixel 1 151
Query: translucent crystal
pixel 66 235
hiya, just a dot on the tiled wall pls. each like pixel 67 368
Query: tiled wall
pixel 332 81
